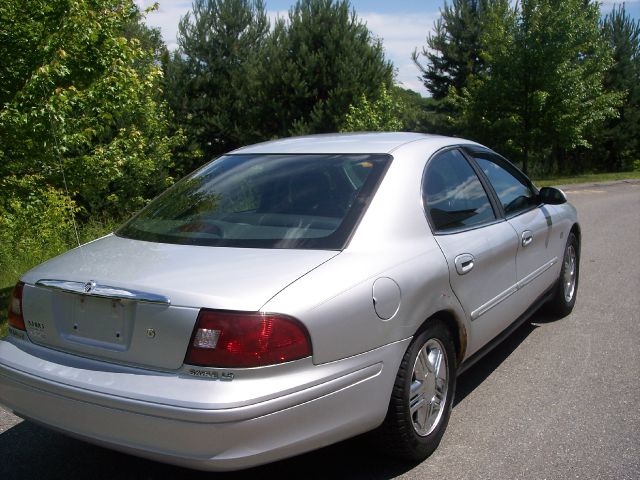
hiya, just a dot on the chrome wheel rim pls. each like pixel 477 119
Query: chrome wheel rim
pixel 569 277
pixel 429 386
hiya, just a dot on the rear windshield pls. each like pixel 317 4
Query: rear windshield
pixel 264 201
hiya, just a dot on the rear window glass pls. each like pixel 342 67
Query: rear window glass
pixel 264 201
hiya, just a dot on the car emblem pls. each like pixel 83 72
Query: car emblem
pixel 90 285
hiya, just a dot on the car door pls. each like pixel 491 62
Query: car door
pixel 479 246
pixel 531 221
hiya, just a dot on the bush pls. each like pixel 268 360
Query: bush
pixel 35 224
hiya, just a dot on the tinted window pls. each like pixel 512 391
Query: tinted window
pixel 453 195
pixel 512 188
pixel 265 201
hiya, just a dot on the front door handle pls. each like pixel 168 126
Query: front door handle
pixel 464 263
pixel 527 238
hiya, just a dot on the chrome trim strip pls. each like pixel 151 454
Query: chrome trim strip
pixel 536 273
pixel 512 289
pixel 103 291
pixel 493 302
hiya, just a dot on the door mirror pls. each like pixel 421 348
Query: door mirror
pixel 552 196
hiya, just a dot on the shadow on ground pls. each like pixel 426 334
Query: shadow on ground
pixel 31 451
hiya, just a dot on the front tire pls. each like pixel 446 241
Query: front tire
pixel 564 298
pixel 422 396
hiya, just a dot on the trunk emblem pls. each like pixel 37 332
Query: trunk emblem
pixel 90 285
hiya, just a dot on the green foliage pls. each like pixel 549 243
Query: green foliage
pixel 618 143
pixel 234 82
pixel 380 115
pixel 423 114
pixel 315 66
pixel 75 92
pixel 35 223
pixel 541 90
pixel 213 77
pixel 453 50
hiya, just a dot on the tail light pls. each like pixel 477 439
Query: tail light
pixel 16 319
pixel 246 339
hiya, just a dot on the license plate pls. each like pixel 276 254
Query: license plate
pixel 99 322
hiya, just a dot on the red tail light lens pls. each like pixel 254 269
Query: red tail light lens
pixel 239 339
pixel 16 319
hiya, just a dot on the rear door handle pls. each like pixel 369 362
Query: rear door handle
pixel 464 263
pixel 527 238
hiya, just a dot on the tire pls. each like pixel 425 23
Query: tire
pixel 415 435
pixel 566 290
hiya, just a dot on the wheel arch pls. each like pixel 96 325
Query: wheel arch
pixel 455 326
pixel 575 229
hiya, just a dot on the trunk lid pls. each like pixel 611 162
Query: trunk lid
pixel 144 297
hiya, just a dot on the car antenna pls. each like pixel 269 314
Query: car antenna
pixel 64 177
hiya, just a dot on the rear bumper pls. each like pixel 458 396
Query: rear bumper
pixel 350 398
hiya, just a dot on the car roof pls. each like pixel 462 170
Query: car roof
pixel 368 142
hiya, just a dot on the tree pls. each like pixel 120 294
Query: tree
pixel 418 113
pixel 453 50
pixel 213 75
pixel 619 141
pixel 80 106
pixel 541 90
pixel 381 115
pixel 316 65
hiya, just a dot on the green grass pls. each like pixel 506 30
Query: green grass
pixel 586 178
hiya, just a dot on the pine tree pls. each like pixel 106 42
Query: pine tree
pixel 212 79
pixel 317 64
pixel 452 52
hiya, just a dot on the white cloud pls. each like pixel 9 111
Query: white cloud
pixel 400 35
pixel 166 18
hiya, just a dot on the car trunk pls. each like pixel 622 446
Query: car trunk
pixel 159 290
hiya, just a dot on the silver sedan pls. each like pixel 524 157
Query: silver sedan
pixel 289 295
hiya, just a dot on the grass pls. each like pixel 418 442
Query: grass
pixel 586 178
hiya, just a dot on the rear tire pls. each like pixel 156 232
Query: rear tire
pixel 422 396
pixel 564 298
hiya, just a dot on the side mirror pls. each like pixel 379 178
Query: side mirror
pixel 552 196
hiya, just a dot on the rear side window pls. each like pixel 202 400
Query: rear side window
pixel 512 187
pixel 264 201
pixel 453 195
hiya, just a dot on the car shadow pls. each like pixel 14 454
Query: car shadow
pixel 31 451
pixel 478 372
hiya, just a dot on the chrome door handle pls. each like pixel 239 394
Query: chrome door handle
pixel 464 263
pixel 527 238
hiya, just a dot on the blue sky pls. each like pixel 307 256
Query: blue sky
pixel 401 24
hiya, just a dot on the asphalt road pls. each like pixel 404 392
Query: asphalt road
pixel 559 399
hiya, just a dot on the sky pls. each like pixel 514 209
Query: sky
pixel 402 25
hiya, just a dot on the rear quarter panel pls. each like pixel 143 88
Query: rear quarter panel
pixel 393 240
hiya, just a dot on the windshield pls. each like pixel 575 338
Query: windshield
pixel 265 201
